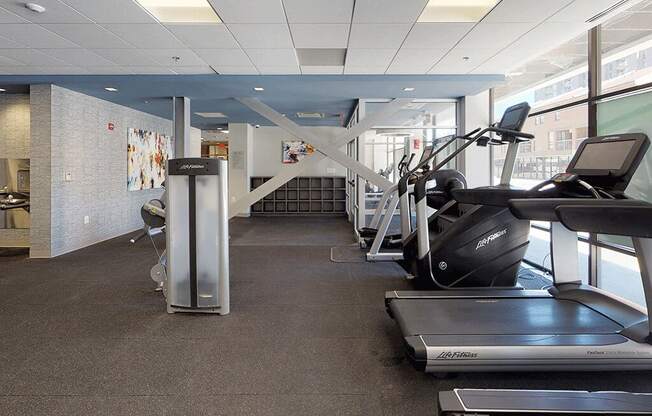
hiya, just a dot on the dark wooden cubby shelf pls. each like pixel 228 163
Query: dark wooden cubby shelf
pixel 302 196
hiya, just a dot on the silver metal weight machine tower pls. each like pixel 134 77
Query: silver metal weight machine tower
pixel 197 236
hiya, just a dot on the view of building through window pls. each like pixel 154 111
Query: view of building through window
pixel 561 77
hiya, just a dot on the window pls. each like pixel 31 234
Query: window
pixel 559 78
pixel 627 48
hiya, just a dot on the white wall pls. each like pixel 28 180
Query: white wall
pixel 267 152
pixel 477 160
pixel 240 161
pixel 70 134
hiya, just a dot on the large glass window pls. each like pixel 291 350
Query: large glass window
pixel 556 86
pixel 411 130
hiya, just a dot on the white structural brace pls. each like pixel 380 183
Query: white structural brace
pixel 325 147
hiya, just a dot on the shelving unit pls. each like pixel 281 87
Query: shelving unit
pixel 303 196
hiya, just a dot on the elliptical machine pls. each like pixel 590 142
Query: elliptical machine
pixel 468 245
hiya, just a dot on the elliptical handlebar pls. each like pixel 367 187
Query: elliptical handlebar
pixel 403 182
pixel 472 137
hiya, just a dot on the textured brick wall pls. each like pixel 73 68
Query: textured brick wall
pixel 79 142
pixel 14 144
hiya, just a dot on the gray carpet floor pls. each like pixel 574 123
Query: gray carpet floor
pixel 85 334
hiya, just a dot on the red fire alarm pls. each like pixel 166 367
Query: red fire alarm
pixel 417 144
pixel 110 126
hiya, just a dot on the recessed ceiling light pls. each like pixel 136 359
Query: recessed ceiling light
pixel 225 131
pixel 259 89
pixel 408 89
pixel 456 11
pixel 37 8
pixel 111 89
pixel 181 11
pixel 212 115
pixel 2 90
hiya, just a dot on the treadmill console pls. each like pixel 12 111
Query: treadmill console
pixel 609 162
pixel 514 117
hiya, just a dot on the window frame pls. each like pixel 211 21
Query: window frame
pixel 594 97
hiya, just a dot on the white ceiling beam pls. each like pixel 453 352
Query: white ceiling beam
pixel 325 147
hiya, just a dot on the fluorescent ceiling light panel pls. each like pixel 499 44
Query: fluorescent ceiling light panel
pixel 408 89
pixel 212 115
pixel 181 11
pixel 111 89
pixel 456 11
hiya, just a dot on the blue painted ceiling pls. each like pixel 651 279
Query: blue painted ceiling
pixel 333 95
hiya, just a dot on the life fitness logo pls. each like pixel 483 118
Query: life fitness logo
pixel 457 355
pixel 188 167
pixel 489 239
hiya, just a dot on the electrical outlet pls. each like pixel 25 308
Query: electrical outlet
pixel 68 176
pixel 87 219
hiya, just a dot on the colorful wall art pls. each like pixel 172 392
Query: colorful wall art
pixel 295 150
pixel 147 154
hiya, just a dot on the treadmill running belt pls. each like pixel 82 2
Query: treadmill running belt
pixel 498 316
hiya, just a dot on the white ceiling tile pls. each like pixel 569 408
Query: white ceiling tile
pixel 78 56
pixel 204 36
pixel 378 36
pixel 31 57
pixel 322 70
pixel 540 40
pixel 494 35
pixel 320 35
pixel 236 70
pixel 6 43
pixel 279 70
pixel 34 36
pixel 150 70
pixel 388 11
pixel 55 12
pixel 193 70
pixel 319 11
pixel 520 11
pixel 107 70
pixel 364 70
pixel 454 62
pixel 262 35
pixel 415 61
pixel 369 57
pixel 581 10
pixel 230 57
pixel 8 17
pixel 12 69
pixel 7 61
pixel 146 36
pixel 113 11
pixel 127 57
pixel 436 35
pixel 249 11
pixel 88 35
pixel 272 57
pixel 54 70
pixel 165 57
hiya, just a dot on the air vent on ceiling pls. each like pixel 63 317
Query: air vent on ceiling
pixel 212 115
pixel 607 11
pixel 321 57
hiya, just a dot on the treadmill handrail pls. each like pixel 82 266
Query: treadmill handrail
pixel 545 209
pixel 629 218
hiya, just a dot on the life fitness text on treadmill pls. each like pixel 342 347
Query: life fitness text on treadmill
pixel 490 238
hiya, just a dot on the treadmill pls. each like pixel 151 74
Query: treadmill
pixel 461 402
pixel 569 327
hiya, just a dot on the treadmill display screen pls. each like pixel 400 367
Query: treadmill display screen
pixel 605 155
pixel 512 119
